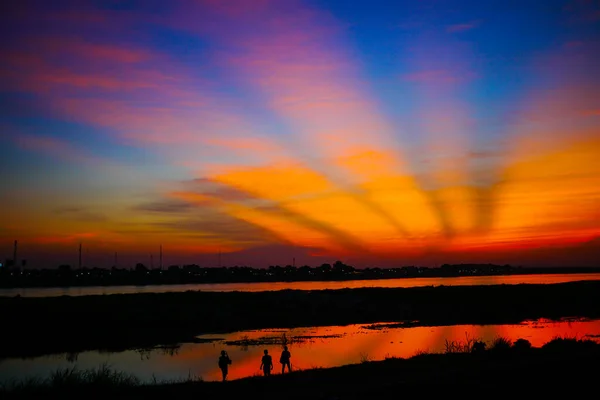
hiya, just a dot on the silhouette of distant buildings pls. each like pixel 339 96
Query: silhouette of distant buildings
pixel 13 263
pixel 12 275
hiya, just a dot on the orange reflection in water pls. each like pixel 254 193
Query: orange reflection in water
pixel 340 345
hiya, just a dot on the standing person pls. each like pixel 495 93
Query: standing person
pixel 267 363
pixel 285 360
pixel 224 362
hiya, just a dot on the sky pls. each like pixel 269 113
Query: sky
pixel 276 132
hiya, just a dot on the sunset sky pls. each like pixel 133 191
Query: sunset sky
pixel 377 133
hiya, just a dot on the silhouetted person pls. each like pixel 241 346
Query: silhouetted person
pixel 224 362
pixel 267 363
pixel 285 360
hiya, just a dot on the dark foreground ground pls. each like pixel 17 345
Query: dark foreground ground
pixel 561 367
pixel 38 326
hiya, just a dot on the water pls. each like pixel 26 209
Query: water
pixel 310 347
pixel 272 286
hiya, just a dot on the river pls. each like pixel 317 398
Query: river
pixel 310 285
pixel 312 347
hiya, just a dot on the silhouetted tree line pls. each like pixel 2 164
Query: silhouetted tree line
pixel 65 275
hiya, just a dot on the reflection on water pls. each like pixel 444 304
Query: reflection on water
pixel 270 286
pixel 310 347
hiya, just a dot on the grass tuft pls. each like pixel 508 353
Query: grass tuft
pixel 459 346
pixel 101 378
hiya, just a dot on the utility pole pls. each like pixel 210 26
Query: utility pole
pixel 151 261
pixel 294 262
pixel 80 255
pixel 15 254
pixel 160 260
pixel 115 259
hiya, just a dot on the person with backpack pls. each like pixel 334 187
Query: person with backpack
pixel 224 363
pixel 285 360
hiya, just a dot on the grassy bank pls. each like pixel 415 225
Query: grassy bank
pixel 568 364
pixel 37 326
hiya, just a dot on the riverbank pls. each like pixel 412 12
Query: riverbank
pixel 561 364
pixel 41 326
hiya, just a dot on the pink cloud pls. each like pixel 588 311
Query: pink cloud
pixel 440 68
pixel 439 62
pixel 254 144
pixel 81 16
pixel 582 11
pixel 556 110
pixel 139 102
pixel 51 80
pixel 101 51
pixel 290 56
pixel 574 44
pixel 437 76
pixel 296 57
pixel 54 147
pixel 462 27
pixel 57 47
pixel 236 8
pixel 57 64
pixel 592 113
pixel 135 122
pixel 143 97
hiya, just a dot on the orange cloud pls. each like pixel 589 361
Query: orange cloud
pixel 289 229
pixel 558 187
pixel 277 183
pixel 265 149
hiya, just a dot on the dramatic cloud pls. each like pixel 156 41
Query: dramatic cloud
pixel 264 129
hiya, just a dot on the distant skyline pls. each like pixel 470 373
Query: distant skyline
pixel 376 133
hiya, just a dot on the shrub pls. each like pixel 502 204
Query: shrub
pixel 570 344
pixel 522 345
pixel 478 347
pixel 500 344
